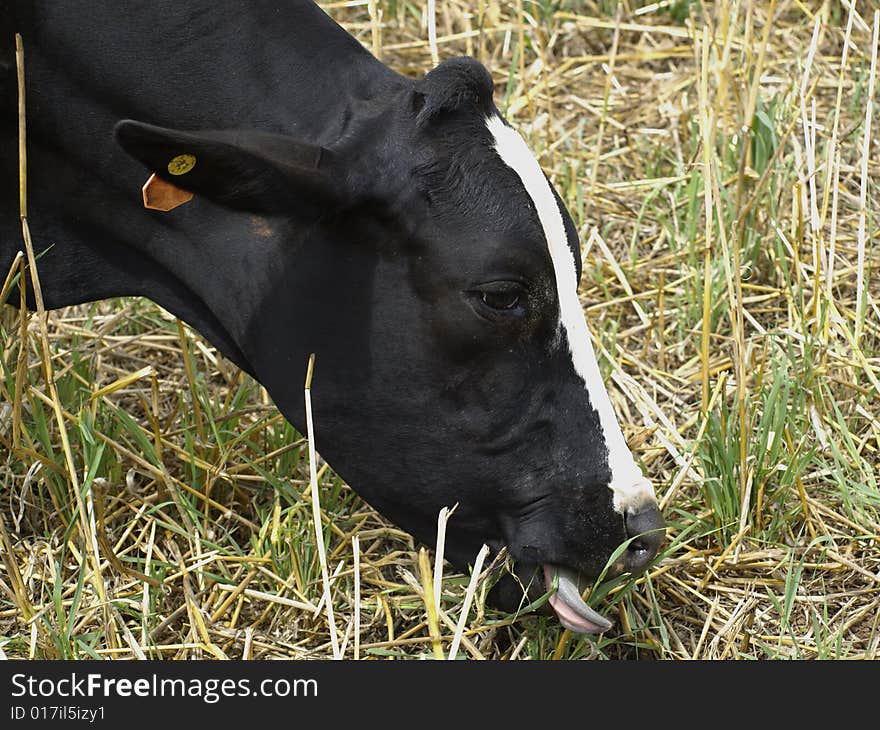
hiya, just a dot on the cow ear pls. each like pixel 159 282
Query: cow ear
pixel 240 169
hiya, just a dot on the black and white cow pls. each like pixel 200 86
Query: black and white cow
pixel 400 229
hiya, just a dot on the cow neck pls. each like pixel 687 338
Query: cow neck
pixel 285 68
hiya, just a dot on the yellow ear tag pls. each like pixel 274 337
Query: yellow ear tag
pixel 182 164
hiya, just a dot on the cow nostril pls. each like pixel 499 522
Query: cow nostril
pixel 648 530
pixel 639 554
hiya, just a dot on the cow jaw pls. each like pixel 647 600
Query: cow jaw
pixel 566 601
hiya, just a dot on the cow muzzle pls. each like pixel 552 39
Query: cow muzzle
pixel 645 531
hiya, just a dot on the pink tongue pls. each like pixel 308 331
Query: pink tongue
pixel 568 616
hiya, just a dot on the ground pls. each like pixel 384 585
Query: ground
pixel 720 161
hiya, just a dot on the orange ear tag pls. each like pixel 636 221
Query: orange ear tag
pixel 161 195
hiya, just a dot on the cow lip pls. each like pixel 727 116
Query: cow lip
pixel 566 601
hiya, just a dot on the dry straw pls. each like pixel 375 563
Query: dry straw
pixel 720 162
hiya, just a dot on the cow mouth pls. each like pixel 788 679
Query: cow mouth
pixel 566 601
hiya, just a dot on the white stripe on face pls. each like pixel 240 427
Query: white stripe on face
pixel 631 490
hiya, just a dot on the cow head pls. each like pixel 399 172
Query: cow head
pixel 425 259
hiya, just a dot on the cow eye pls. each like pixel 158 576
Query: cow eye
pixel 500 299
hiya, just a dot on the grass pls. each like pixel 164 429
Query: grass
pixel 714 159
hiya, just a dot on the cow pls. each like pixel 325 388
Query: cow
pixel 399 229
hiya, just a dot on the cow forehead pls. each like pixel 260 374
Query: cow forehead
pixel 630 489
pixel 463 180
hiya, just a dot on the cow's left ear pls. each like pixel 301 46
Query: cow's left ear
pixel 241 169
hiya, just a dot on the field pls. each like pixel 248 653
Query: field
pixel 721 163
